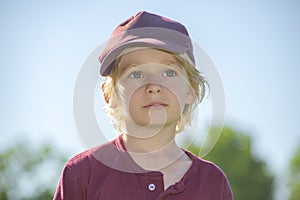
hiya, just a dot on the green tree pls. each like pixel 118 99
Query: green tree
pixel 248 176
pixel 294 179
pixel 29 173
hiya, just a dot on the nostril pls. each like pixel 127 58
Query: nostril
pixel 153 89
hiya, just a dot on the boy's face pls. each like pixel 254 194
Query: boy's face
pixel 153 88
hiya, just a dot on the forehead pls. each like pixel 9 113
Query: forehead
pixel 144 56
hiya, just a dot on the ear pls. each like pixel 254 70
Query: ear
pixel 112 103
pixel 105 95
pixel 190 97
pixel 108 98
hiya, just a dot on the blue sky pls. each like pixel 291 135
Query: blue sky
pixel 254 44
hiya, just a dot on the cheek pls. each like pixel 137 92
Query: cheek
pixel 130 100
pixel 179 92
pixel 127 89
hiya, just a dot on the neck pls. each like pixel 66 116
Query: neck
pixel 153 153
pixel 144 140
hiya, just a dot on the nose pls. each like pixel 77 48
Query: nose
pixel 153 88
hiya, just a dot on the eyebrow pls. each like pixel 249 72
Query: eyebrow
pixel 164 62
pixel 129 65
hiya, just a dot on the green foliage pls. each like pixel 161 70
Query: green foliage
pixel 29 174
pixel 249 177
pixel 294 179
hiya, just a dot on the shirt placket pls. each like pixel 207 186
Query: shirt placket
pixel 152 184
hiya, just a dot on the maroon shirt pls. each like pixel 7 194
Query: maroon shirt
pixel 84 177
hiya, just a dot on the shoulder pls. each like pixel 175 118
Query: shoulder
pixel 208 175
pixel 81 160
pixel 88 160
pixel 206 168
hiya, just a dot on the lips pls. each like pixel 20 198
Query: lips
pixel 155 105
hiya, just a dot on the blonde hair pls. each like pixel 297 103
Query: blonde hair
pixel 196 81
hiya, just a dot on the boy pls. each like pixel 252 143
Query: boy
pixel 151 89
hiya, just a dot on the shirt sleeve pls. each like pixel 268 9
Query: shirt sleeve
pixel 70 187
pixel 227 192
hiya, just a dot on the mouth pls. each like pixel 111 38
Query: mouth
pixel 155 105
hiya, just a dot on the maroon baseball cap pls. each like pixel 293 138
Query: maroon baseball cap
pixel 145 30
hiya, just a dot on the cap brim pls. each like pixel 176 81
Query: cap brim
pixel 109 61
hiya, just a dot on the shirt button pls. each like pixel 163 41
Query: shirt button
pixel 151 187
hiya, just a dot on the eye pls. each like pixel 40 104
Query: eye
pixel 169 73
pixel 135 75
